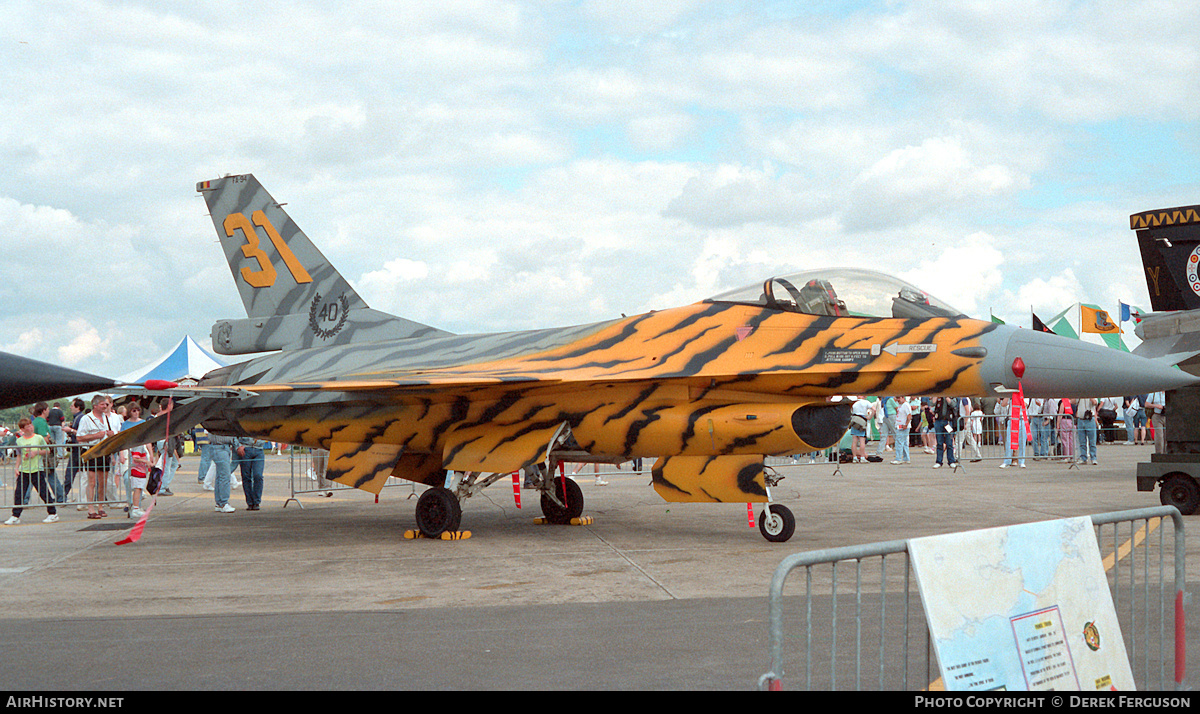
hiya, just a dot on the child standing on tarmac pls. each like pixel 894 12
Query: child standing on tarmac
pixel 31 472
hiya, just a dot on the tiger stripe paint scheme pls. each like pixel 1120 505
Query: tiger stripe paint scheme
pixel 690 381
pixel 709 389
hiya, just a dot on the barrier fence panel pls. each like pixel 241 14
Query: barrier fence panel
pixel 307 469
pixel 63 480
pixel 582 470
pixel 859 621
pixel 982 437
pixel 307 474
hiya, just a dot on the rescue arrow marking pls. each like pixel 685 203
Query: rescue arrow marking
pixel 921 348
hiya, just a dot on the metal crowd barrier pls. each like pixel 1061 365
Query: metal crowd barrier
pixel 984 438
pixel 582 470
pixel 861 622
pixel 308 466
pixel 64 478
pixel 306 475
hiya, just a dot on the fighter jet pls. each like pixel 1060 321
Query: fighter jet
pixel 1169 240
pixel 707 390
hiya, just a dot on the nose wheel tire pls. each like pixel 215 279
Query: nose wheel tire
pixel 776 523
pixel 572 497
pixel 438 511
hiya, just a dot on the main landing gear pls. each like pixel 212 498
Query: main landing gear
pixel 439 509
pixel 438 512
pixel 562 500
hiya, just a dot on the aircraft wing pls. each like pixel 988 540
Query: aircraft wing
pixel 423 379
pixel 212 398
pixel 1171 337
pixel 243 391
pixel 183 417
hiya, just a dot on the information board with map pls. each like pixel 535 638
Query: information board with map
pixel 1024 607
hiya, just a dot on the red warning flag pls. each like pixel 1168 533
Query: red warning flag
pixel 136 532
pixel 1017 415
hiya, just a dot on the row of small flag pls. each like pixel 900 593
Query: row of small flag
pixel 1092 319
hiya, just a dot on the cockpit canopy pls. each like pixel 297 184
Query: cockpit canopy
pixel 841 291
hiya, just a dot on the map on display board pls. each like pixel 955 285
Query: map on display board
pixel 1024 607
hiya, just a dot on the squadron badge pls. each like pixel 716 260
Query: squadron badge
pixel 1091 636
pixel 326 318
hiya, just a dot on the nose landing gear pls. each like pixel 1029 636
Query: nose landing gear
pixel 776 523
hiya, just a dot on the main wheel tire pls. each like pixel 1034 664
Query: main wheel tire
pixel 1180 491
pixel 570 494
pixel 776 523
pixel 438 511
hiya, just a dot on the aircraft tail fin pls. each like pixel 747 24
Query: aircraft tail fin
pixel 1169 240
pixel 293 295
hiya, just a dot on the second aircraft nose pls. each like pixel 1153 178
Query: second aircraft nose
pixel 1056 366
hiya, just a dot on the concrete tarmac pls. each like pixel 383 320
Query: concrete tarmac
pixel 652 595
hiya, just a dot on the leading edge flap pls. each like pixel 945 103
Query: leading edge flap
pixel 363 466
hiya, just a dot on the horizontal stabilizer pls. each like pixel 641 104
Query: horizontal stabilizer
pixel 324 323
pixel 183 417
pixel 1169 337
pixel 1170 350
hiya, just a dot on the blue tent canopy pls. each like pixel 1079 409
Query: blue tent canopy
pixel 186 360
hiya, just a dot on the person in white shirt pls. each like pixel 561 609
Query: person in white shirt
pixel 966 434
pixel 1156 411
pixel 860 419
pixel 1041 439
pixel 95 426
pixel 1130 407
pixel 902 424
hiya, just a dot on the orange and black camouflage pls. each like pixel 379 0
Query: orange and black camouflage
pixel 707 389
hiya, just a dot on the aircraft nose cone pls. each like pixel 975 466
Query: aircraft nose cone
pixel 1057 366
pixel 24 380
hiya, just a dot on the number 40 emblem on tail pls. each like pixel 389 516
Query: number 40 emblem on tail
pixel 326 318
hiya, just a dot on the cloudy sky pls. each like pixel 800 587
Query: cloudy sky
pixel 491 165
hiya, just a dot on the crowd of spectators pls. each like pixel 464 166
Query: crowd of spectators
pixel 1066 429
pixel 48 445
